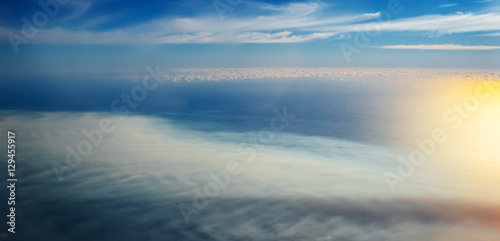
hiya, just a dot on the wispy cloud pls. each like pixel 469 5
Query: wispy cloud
pixel 489 34
pixel 307 21
pixel 439 24
pixel 248 37
pixel 288 23
pixel 448 5
pixel 440 47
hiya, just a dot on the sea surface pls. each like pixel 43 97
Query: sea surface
pixel 289 158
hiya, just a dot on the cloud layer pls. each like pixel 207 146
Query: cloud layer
pixel 297 188
pixel 266 23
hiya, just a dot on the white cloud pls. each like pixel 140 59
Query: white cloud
pixel 148 166
pixel 440 47
pixel 442 24
pixel 448 24
pixel 489 34
pixel 248 37
pixel 448 5
pixel 294 22
pixel 287 24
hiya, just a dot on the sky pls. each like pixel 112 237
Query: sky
pixel 192 87
pixel 85 35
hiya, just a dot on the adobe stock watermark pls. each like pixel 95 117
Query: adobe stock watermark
pixel 222 6
pixel 94 137
pixel 221 179
pixel 454 116
pixel 362 39
pixel 40 19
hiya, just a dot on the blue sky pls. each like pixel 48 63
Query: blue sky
pixel 241 33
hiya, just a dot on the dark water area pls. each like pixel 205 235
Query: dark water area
pixel 354 110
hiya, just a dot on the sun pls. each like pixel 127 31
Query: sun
pixel 471 154
pixel 478 132
pixel 484 128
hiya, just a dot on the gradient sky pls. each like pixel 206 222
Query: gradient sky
pixel 96 35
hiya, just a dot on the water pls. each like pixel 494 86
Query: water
pixel 320 177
